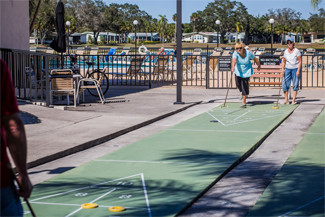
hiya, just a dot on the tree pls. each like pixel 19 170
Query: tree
pixel 285 20
pixel 175 20
pixel 152 26
pixel 239 28
pixel 112 19
pixel 91 15
pixel 45 21
pixel 194 18
pixel 125 28
pixel 33 6
pixel 161 24
pixel 302 28
pixel 315 3
pixel 228 12
pixel 316 21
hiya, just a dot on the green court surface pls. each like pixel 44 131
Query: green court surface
pixel 163 173
pixel 298 188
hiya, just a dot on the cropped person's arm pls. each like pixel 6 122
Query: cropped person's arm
pixel 234 61
pixel 299 65
pixel 283 63
pixel 257 63
pixel 17 145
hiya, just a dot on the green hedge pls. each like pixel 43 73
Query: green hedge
pixel 146 42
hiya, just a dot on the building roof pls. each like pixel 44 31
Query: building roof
pixel 143 34
pixel 202 33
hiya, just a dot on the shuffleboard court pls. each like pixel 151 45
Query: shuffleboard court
pixel 298 188
pixel 163 173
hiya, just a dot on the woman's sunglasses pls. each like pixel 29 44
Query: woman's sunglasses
pixel 239 48
pixel 289 42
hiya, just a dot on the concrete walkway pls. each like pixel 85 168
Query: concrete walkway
pixel 130 114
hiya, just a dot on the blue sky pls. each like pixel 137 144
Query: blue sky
pixel 254 7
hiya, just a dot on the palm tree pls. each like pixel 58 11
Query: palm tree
pixel 146 26
pixel 302 28
pixel 161 24
pixel 314 3
pixel 151 27
pixel 175 20
pixel 125 27
pixel 194 18
pixel 281 29
pixel 239 28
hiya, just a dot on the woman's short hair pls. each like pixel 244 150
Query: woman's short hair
pixel 239 44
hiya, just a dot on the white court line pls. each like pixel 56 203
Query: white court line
pixel 215 118
pixel 221 131
pixel 255 119
pixel 77 210
pixel 192 130
pixel 135 189
pixel 145 194
pixel 302 206
pixel 130 161
pixel 66 204
pixel 81 188
pixel 165 162
pixel 194 163
pixel 241 115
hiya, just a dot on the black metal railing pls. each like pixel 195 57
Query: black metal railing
pixel 30 70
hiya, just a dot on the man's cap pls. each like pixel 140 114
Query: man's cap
pixel 290 39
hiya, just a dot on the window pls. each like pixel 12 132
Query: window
pixel 320 36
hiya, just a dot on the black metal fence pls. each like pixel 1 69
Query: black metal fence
pixel 30 70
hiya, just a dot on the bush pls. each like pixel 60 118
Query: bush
pixel 151 42
pixel 90 39
pixel 196 42
pixel 128 40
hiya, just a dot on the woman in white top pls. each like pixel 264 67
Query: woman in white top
pixel 292 63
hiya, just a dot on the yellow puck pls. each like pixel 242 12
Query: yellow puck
pixel 89 205
pixel 116 208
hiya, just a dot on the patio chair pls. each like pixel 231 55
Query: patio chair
pixel 260 51
pixel 62 83
pixel 189 67
pixel 50 51
pixel 93 54
pixel 110 53
pixel 278 51
pixel 216 52
pixel 227 51
pixel 197 52
pixel 201 69
pixel 135 68
pixel 161 69
pixel 80 51
pixel 307 58
pixel 32 49
pixel 319 60
pixel 37 82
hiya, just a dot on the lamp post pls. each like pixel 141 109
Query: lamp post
pixel 271 21
pixel 218 23
pixel 68 24
pixel 135 23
